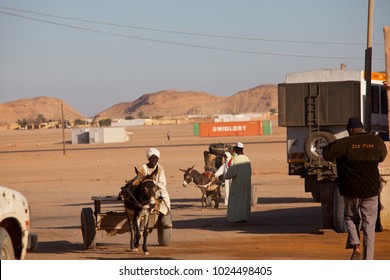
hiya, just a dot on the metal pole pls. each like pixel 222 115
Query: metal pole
pixel 368 67
pixel 386 32
pixel 63 129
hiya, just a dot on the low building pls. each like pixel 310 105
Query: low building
pixel 99 135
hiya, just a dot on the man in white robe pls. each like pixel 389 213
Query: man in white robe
pixel 153 155
pixel 240 171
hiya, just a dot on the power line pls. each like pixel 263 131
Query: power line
pixel 189 33
pixel 182 43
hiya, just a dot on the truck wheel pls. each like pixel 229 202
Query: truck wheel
pixel 313 186
pixel 6 247
pixel 338 212
pixel 88 228
pixel 32 242
pixel 314 144
pixel 316 196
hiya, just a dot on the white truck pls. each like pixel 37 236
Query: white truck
pixel 15 236
pixel 315 106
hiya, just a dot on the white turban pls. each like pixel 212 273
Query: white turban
pixel 239 145
pixel 152 151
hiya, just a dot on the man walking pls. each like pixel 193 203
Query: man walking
pixel 357 158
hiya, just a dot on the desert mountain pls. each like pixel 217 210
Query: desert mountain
pixel 166 103
pixel 172 103
pixel 30 108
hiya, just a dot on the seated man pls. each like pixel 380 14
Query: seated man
pixel 164 205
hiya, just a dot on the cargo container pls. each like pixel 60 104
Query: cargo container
pixel 219 129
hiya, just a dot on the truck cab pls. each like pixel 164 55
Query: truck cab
pixel 15 236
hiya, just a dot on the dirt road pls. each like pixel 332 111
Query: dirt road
pixel 58 186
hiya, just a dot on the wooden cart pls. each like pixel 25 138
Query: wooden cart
pixel 113 220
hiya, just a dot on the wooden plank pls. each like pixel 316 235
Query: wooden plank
pixel 107 198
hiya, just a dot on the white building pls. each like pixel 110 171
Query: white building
pixel 99 135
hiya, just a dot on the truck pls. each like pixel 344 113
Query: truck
pixel 15 236
pixel 315 106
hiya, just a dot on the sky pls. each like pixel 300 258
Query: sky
pixel 94 54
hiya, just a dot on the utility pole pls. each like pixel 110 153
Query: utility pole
pixel 63 129
pixel 367 68
pixel 386 32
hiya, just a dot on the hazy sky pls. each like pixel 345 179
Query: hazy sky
pixel 94 54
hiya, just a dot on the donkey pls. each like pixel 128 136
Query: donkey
pixel 139 199
pixel 206 183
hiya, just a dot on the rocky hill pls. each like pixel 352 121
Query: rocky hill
pixel 181 103
pixel 166 103
pixel 30 108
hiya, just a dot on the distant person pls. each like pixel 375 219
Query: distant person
pixel 221 173
pixel 357 157
pixel 168 136
pixel 240 171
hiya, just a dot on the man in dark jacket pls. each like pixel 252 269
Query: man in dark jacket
pixel 357 158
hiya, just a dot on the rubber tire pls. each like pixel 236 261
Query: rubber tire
pixel 164 236
pixel 88 228
pixel 33 243
pixel 338 212
pixel 209 201
pixel 313 186
pixel 316 196
pixel 315 136
pixel 164 229
pixel 6 246
pixel 217 149
pixel 253 195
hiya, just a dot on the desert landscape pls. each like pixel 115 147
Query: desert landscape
pixel 163 104
pixel 285 223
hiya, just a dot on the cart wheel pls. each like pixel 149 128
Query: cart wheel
pixel 88 228
pixel 164 236
pixel 209 201
pixel 253 195
pixel 164 229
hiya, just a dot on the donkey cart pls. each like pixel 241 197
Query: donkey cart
pixel 114 221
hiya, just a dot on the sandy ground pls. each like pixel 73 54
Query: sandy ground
pixel 59 185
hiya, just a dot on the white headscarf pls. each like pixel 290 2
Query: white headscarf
pixel 152 151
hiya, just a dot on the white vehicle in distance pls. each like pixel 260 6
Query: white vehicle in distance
pixel 15 236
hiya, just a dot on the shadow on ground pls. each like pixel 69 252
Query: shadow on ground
pixel 278 221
